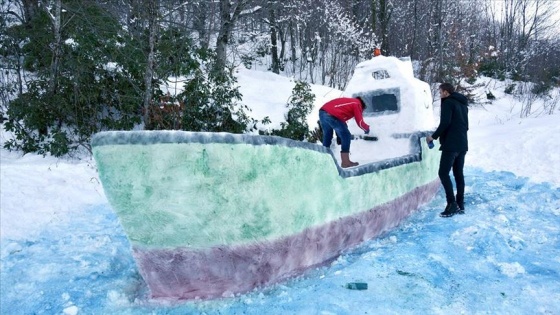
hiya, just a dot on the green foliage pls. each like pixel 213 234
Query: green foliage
pixel 492 69
pixel 96 82
pixel 176 57
pixel 210 102
pixel 316 135
pixel 88 89
pixel 36 42
pixel 541 88
pixel 60 143
pixel 300 106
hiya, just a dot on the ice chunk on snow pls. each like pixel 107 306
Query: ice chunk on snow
pixel 511 269
pixel 71 310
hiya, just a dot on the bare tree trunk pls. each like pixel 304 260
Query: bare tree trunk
pixel 228 17
pixel 152 11
pixel 53 80
pixel 412 50
pixel 437 40
pixel 282 35
pixel 199 24
pixel 274 42
pixel 384 17
pixel 374 16
pixel 380 18
pixel 510 11
pixel 293 47
pixel 56 46
pixel 30 8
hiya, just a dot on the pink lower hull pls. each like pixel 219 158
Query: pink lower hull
pixel 183 273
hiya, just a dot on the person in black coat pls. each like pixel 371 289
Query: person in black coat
pixel 452 134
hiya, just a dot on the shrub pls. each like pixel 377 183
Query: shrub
pixel 509 89
pixel 300 106
pixel 210 104
pixel 62 107
pixel 541 88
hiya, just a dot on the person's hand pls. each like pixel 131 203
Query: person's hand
pixel 429 139
pixel 367 132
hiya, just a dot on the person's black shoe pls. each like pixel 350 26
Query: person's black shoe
pixel 461 205
pixel 450 210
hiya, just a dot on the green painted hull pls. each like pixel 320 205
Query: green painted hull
pixel 210 215
pixel 196 194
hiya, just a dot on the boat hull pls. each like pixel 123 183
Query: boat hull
pixel 212 214
pixel 221 271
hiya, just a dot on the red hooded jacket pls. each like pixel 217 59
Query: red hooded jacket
pixel 344 108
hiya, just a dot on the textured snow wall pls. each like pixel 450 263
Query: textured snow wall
pixel 213 214
pixel 392 76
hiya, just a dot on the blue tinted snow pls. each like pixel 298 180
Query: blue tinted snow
pixel 502 255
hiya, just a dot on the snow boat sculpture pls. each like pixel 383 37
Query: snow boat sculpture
pixel 215 214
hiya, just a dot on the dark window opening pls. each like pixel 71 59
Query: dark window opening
pixel 380 74
pixel 381 102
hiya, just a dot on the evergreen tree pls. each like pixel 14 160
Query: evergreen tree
pixel 79 84
pixel 300 106
pixel 89 75
pixel 210 100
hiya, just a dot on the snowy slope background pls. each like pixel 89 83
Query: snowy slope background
pixel 64 252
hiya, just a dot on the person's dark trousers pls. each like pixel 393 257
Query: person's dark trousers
pixel 455 161
pixel 330 124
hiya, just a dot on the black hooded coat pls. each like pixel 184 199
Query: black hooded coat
pixel 453 123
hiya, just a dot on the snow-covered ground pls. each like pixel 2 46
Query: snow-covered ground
pixel 64 252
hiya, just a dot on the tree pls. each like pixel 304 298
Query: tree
pixel 275 67
pixel 381 17
pixel 152 19
pixel 229 14
pixel 77 88
pixel 201 15
pixel 210 102
pixel 299 107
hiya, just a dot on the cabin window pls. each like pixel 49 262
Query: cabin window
pixel 380 74
pixel 381 102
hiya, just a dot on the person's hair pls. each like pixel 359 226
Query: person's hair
pixel 447 87
pixel 364 106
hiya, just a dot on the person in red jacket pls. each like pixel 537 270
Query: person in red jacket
pixel 333 116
